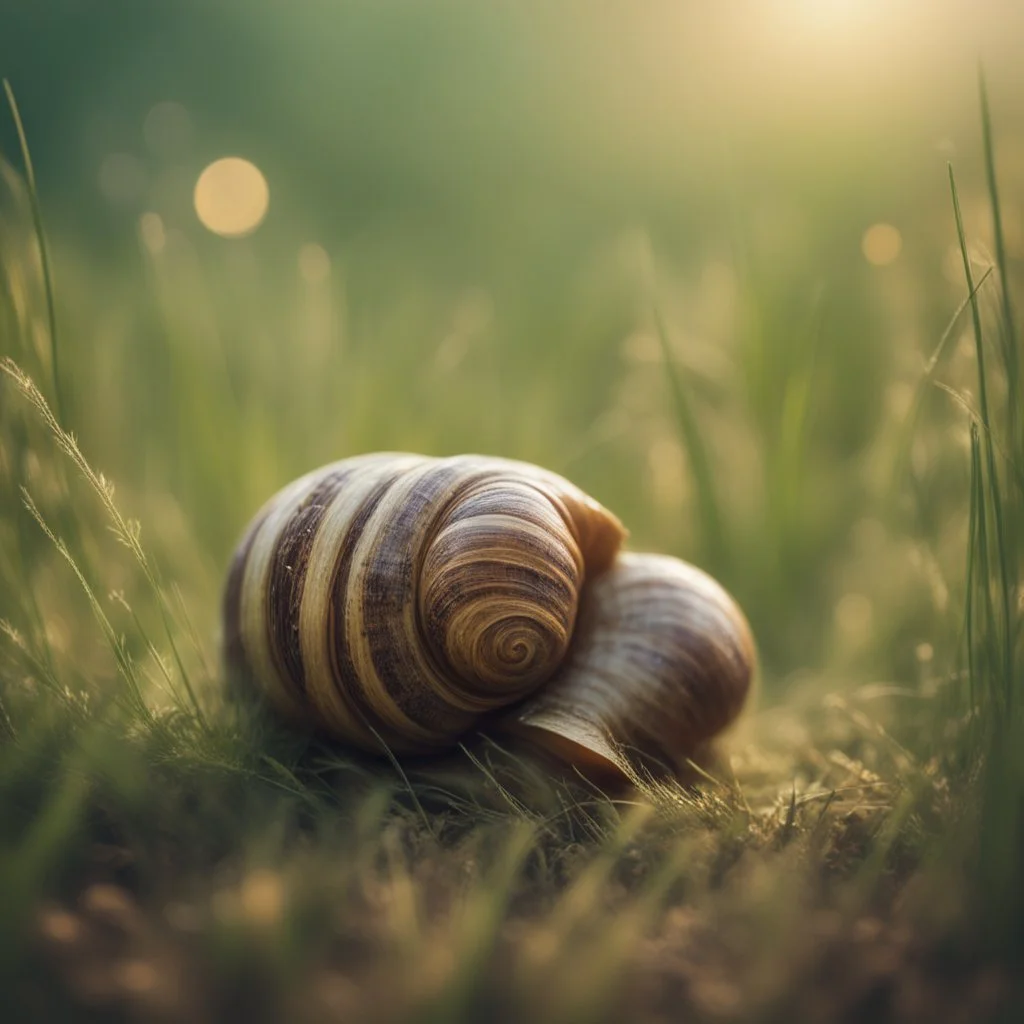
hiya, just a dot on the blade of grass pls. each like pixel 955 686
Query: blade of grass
pixel 708 508
pixel 44 256
pixel 43 672
pixel 16 569
pixel 517 808
pixel 171 689
pixel 117 647
pixel 1011 357
pixel 127 531
pixel 1011 351
pixel 930 369
pixel 190 628
pixel 1000 553
pixel 972 542
pixel 794 417
pixel 400 771
pixel 989 639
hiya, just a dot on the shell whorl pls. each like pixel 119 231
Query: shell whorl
pixel 396 599
pixel 661 663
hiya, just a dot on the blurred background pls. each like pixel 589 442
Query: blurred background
pixel 694 256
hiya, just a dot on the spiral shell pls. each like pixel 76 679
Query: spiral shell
pixel 397 600
pixel 660 663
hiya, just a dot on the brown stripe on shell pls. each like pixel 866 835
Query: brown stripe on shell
pixel 332 703
pixel 253 615
pixel 400 675
pixel 288 578
pixel 236 660
pixel 343 669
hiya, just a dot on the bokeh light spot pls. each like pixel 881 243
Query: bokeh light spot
pixel 314 263
pixel 59 926
pixel 881 244
pixel 137 977
pixel 262 897
pixel 231 197
pixel 151 230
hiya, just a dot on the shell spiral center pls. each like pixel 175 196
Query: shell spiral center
pixel 499 592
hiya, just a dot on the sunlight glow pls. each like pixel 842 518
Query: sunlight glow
pixel 231 197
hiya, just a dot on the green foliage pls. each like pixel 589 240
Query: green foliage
pixel 995 654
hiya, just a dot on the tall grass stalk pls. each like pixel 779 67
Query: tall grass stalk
pixel 994 504
pixel 44 255
pixel 708 507
pixel 125 530
pixel 1009 326
pixel 994 663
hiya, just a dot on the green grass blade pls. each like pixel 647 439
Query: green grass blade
pixel 121 656
pixel 1001 554
pixel 972 547
pixel 44 255
pixel 975 309
pixel 907 430
pixel 708 508
pixel 1011 350
pixel 1011 356
pixel 989 637
pixel 795 415
pixel 127 531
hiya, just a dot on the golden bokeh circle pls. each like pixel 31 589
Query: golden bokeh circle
pixel 231 197
pixel 881 244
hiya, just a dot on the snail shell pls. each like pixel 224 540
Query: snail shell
pixel 399 600
pixel 661 662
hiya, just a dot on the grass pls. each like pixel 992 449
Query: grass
pixel 44 257
pixel 169 853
